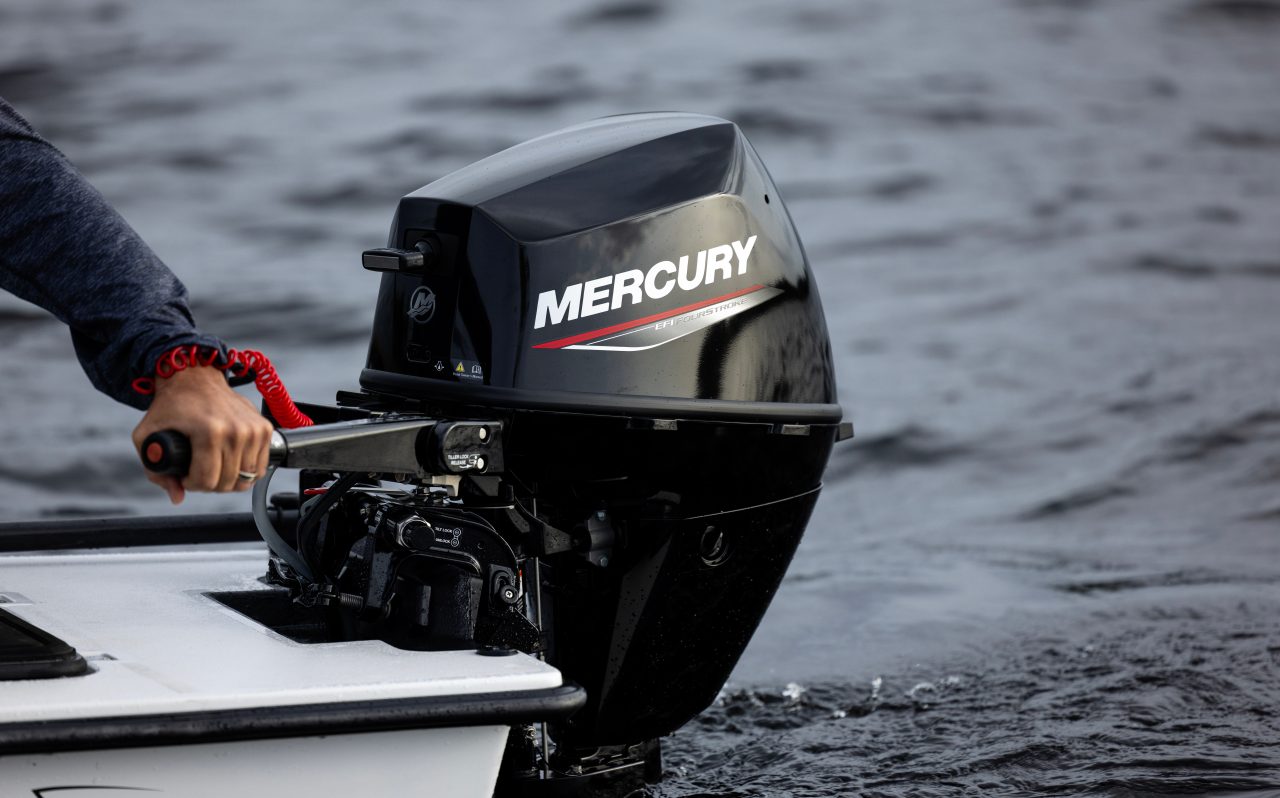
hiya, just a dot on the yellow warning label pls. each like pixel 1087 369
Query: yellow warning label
pixel 468 370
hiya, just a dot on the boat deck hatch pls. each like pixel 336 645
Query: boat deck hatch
pixel 274 610
pixel 29 652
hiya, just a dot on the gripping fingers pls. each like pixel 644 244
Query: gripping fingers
pixel 171 484
pixel 253 455
pixel 253 460
pixel 207 466
pixel 233 454
pixel 228 435
pixel 262 442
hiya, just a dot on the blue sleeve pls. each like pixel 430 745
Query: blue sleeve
pixel 65 249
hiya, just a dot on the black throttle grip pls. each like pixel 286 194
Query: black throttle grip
pixel 167 452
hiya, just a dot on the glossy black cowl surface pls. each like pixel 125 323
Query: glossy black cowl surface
pixel 603 267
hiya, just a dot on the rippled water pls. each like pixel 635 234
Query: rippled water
pixel 1154 701
pixel 1045 236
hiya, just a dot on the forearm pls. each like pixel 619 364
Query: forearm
pixel 64 248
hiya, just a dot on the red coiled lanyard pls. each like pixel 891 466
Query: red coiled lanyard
pixel 239 362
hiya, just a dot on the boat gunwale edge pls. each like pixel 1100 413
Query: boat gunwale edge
pixel 301 720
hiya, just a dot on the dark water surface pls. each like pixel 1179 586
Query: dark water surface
pixel 1046 237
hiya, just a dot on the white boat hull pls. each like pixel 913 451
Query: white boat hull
pixel 457 762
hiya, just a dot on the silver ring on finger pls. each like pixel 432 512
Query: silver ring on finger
pixel 246 476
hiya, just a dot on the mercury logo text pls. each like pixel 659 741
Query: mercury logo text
pixel 635 285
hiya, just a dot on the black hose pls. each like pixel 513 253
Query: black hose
pixel 312 512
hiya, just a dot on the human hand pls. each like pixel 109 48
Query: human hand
pixel 228 434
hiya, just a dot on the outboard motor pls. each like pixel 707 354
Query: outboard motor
pixel 620 326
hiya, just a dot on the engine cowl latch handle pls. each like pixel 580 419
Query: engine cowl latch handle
pixel 388 259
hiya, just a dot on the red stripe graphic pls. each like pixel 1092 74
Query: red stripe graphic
pixel 628 325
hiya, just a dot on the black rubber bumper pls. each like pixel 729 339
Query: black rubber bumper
pixel 106 533
pixel 306 720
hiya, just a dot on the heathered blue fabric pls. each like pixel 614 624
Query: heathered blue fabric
pixel 65 249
